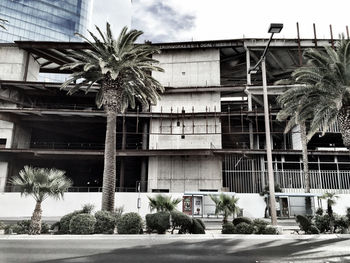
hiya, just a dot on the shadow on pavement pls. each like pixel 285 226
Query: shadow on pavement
pixel 221 250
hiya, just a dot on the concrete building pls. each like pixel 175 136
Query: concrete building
pixel 205 135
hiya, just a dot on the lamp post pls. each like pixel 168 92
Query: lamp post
pixel 274 28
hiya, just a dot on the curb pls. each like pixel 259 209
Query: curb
pixel 174 237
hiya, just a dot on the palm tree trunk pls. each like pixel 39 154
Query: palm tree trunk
pixel 112 99
pixel 344 125
pixel 109 171
pixel 308 206
pixel 35 224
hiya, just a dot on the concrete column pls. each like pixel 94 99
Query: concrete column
pixel 144 159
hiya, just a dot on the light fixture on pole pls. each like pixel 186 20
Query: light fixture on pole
pixel 274 28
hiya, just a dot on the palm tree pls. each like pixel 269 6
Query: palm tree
pixel 123 70
pixel 326 78
pixel 163 203
pixel 297 109
pixel 41 183
pixel 225 204
pixel 3 21
pixel 331 200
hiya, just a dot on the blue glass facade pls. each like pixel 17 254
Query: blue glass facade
pixel 44 20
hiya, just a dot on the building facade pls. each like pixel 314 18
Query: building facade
pixel 44 20
pixel 206 134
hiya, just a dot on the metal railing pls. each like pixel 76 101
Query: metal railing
pixel 78 189
pixel 248 181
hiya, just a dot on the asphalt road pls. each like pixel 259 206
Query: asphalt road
pixel 175 250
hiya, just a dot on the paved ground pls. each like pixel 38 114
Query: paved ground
pixel 199 248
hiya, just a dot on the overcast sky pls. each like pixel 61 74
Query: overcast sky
pixel 186 20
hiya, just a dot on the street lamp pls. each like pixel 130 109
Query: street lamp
pixel 274 28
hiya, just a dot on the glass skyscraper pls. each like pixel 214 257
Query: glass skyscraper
pixel 44 20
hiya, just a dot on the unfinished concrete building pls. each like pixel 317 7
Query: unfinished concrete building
pixel 205 134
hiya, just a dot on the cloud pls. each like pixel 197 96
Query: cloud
pixel 116 12
pixel 161 21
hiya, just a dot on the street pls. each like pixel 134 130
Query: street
pixel 180 249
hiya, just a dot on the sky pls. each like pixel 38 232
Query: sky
pixel 192 20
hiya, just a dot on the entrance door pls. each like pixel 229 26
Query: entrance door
pixel 284 207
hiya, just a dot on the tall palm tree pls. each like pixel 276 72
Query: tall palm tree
pixel 326 77
pixel 41 183
pixel 225 204
pixel 163 203
pixel 123 70
pixel 297 108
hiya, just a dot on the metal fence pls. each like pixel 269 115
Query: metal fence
pixel 248 181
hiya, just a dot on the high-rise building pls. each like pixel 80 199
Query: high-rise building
pixel 45 20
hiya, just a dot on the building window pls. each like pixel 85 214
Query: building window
pixel 3 143
pixel 160 190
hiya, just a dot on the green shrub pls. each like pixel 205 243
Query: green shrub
pixel 348 213
pixel 304 222
pixel 105 222
pixel 2 225
pixel 313 230
pixel 8 229
pixel 182 221
pixel 269 231
pixel 319 211
pixel 228 228
pixel 244 228
pixel 322 223
pixel 45 228
pixel 239 220
pixel 82 224
pixel 65 221
pixel 130 223
pixel 158 221
pixel 259 226
pixel 55 226
pixel 197 226
pixel 118 212
pixel 341 224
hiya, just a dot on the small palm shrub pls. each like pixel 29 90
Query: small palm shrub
pixel 163 203
pixel 40 183
pixel 226 205
pixel 228 228
pixel 198 226
pixel 244 228
pixel 181 221
pixel 105 222
pixel 159 222
pixel 239 220
pixel 82 224
pixel 306 224
pixel 130 223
